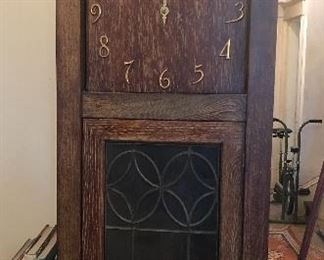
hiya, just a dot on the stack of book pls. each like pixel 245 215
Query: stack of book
pixel 42 247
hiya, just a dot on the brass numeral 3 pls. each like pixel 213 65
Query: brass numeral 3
pixel 104 50
pixel 226 51
pixel 241 13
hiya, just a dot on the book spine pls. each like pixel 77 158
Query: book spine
pixel 47 240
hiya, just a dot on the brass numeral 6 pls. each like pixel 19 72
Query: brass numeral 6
pixel 164 82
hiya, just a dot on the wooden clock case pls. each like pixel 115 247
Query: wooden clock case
pixel 231 107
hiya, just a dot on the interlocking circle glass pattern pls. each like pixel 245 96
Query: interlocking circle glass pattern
pixel 162 192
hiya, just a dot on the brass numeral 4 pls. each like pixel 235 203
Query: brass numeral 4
pixel 226 51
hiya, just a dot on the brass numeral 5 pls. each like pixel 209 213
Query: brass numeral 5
pixel 164 82
pixel 198 70
pixel 241 13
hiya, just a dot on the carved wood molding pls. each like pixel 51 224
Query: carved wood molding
pixel 165 106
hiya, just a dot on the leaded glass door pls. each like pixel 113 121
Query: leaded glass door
pixel 152 195
pixel 162 201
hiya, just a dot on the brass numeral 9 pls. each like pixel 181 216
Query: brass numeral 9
pixel 96 12
pixel 164 82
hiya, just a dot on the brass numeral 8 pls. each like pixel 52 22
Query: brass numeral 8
pixel 104 50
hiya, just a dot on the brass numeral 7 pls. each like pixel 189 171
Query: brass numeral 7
pixel 129 65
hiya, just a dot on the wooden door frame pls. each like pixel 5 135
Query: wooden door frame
pixel 260 90
pixel 70 81
pixel 230 135
pixel 260 82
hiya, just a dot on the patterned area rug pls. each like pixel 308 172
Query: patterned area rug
pixel 283 245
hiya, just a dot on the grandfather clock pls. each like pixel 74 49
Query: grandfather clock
pixel 164 128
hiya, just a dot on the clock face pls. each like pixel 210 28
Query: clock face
pixel 172 46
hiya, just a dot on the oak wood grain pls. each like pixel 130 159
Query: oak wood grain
pixel 70 66
pixel 194 34
pixel 234 92
pixel 230 135
pixel 259 128
pixel 165 106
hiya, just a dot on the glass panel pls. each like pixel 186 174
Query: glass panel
pixel 162 201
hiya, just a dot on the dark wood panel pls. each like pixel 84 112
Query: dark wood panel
pixel 230 135
pixel 165 106
pixel 70 66
pixel 194 34
pixel 259 126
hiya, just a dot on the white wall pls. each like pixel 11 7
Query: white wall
pixel 27 121
pixel 288 61
pixel 313 148
pixel 311 101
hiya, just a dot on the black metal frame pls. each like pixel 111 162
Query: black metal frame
pixel 290 174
